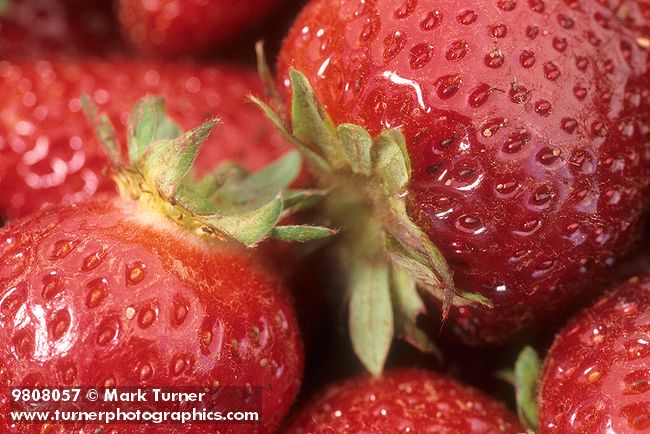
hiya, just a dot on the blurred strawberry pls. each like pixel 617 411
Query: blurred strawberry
pixel 175 28
pixel 37 27
pixel 403 400
pixel 49 154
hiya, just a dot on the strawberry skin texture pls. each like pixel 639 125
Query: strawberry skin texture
pixel 173 28
pixel 403 400
pixel 105 293
pixel 528 138
pixel 596 376
pixel 49 153
pixel 33 28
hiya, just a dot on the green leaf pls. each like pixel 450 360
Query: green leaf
pixel 300 233
pixel 249 228
pixel 104 130
pixel 392 163
pixel 147 123
pixel 314 158
pixel 357 144
pixel 260 187
pixel 526 374
pixel 166 162
pixel 408 305
pixel 310 122
pixel 371 314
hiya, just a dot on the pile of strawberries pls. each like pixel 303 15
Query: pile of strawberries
pixel 424 217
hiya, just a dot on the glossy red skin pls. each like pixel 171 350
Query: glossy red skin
pixel 34 28
pixel 596 376
pixel 49 153
pixel 175 28
pixel 189 287
pixel 518 223
pixel 403 400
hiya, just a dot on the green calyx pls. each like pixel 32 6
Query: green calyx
pixel 387 259
pixel 230 202
pixel 525 379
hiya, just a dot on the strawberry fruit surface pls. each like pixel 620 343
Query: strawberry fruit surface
pixel 596 377
pixel 526 127
pixel 403 400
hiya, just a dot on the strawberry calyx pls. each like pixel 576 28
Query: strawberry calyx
pixel 525 379
pixel 387 258
pixel 230 202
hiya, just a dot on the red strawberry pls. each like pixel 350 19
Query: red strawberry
pixel 49 154
pixel 151 288
pixel 36 27
pixel 172 28
pixel 596 376
pixel 403 400
pixel 526 158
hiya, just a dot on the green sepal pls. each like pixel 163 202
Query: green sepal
pixel 249 192
pixel 297 200
pixel 416 251
pixel 357 144
pixel 104 130
pixel 301 233
pixel 249 228
pixel 147 123
pixel 477 298
pixel 193 201
pixel 167 161
pixel 370 313
pixel 311 124
pixel 230 201
pixel 408 305
pixel 315 159
pixel 392 163
pixel 226 172
pixel 264 72
pixel 526 381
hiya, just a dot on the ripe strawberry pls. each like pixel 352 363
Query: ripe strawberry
pixel 150 288
pixel 403 400
pixel 596 376
pixel 29 28
pixel 172 28
pixel 525 160
pixel 48 152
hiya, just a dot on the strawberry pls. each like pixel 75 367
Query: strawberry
pixel 596 377
pixel 29 28
pixel 154 287
pixel 520 170
pixel 403 400
pixel 170 28
pixel 48 152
